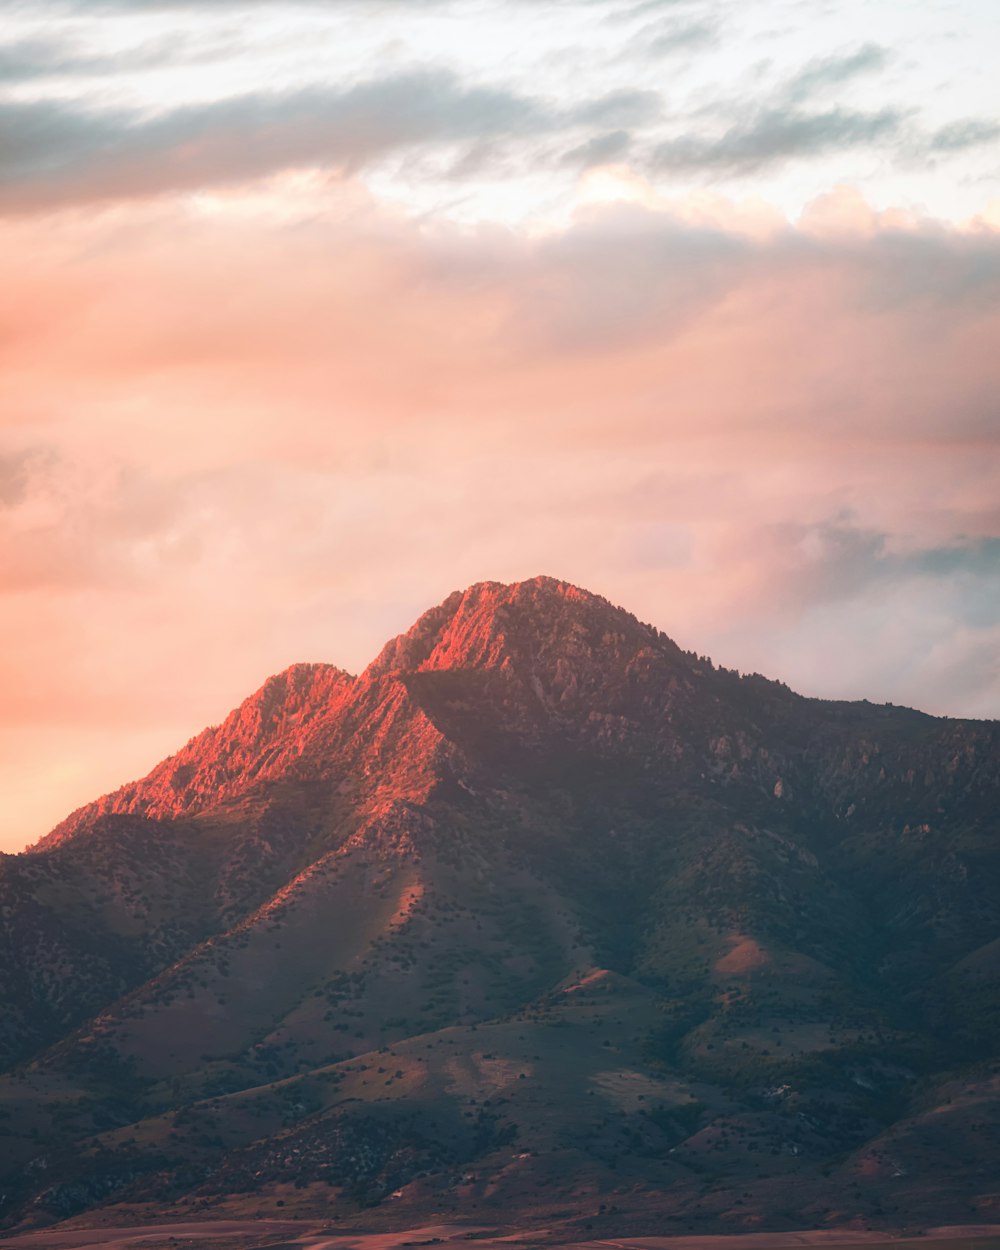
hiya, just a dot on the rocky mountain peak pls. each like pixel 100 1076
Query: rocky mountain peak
pixel 557 650
pixel 494 625
pixel 260 738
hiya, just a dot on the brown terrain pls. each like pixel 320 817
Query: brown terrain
pixel 264 1234
pixel 539 930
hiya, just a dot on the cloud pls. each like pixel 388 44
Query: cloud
pixel 24 60
pixel 775 136
pixel 771 128
pixel 600 150
pixel 829 72
pixel 58 153
pixel 630 11
pixel 836 560
pixel 75 521
pixel 617 108
pixel 664 39
pixel 970 132
pixel 14 476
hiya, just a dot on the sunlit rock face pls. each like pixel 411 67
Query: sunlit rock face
pixel 537 918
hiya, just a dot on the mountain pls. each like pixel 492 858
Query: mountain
pixel 540 920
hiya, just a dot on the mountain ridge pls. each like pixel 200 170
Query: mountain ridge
pixel 417 650
pixel 169 790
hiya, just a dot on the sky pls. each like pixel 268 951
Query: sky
pixel 314 312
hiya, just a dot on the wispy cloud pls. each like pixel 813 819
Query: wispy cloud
pixel 970 132
pixel 58 153
pixel 775 136
pixel 826 73
pixel 662 39
pixel 600 150
pixel 25 60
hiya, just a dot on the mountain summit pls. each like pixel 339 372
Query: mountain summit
pixel 539 920
pixel 538 640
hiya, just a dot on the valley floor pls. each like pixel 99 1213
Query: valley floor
pixel 260 1234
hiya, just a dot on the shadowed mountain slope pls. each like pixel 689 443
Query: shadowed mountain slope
pixel 538 918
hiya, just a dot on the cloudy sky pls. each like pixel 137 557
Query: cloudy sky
pixel 313 312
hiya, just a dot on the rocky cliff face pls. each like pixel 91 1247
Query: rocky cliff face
pixel 539 913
